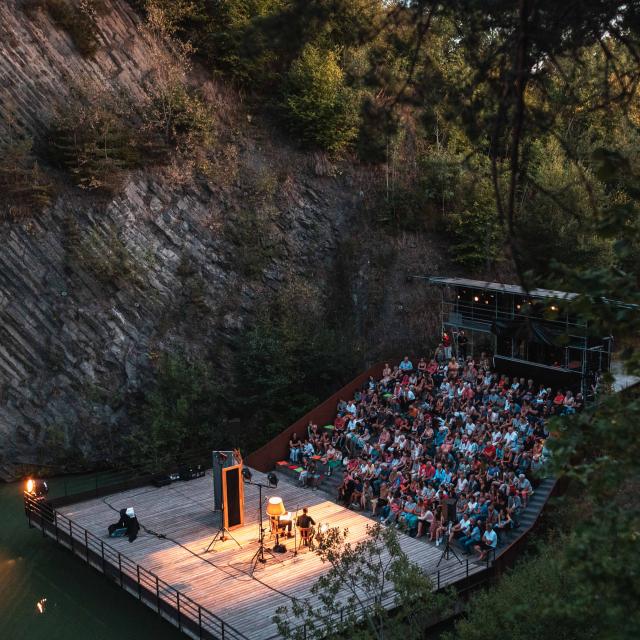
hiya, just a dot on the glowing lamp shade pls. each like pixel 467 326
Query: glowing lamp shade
pixel 31 485
pixel 275 507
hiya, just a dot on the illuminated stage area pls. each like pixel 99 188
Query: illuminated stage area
pixel 178 523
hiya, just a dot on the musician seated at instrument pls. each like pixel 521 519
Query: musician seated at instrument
pixel 304 523
pixel 282 524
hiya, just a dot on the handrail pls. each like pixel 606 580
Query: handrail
pixel 205 623
pixel 276 449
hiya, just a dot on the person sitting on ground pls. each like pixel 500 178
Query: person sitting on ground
pixel 128 521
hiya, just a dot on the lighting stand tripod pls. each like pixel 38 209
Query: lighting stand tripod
pixel 448 550
pixel 258 556
pixel 220 535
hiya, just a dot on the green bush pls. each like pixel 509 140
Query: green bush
pixel 24 188
pixel 320 108
pixel 94 138
pixel 181 416
pixel 76 18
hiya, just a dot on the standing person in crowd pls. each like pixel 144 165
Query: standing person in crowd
pixel 463 343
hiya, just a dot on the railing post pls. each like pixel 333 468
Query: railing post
pixel 55 524
pixel 467 567
pixel 71 535
pixel 86 544
pixel 438 578
pixel 179 612
pixel 222 621
pixel 120 567
pixel 139 585
pixel 102 554
pixel 199 622
pixel 27 503
pixel 158 594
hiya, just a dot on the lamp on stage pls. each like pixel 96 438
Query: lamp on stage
pixel 272 479
pixel 275 509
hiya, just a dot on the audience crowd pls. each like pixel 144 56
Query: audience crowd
pixel 444 448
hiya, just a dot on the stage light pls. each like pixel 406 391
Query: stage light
pixel 517 306
pixel 554 308
pixel 246 474
pixel 37 488
pixel 272 479
pixel 475 298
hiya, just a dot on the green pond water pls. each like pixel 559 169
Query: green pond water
pixel 76 602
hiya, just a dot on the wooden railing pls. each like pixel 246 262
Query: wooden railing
pixel 170 603
pixel 276 449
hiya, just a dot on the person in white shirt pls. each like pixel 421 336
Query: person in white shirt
pixel 489 541
pixel 511 437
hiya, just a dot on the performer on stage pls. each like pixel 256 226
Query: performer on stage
pixel 305 521
pixel 283 524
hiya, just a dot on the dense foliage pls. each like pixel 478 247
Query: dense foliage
pixel 360 578
pixel 511 130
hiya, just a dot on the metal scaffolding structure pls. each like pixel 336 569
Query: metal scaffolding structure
pixel 535 329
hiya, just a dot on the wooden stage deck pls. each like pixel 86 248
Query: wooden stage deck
pixel 220 580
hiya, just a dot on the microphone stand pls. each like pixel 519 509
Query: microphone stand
pixel 258 556
pixel 295 532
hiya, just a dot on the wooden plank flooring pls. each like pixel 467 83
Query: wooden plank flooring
pixel 220 580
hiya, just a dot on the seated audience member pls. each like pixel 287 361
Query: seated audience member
pixel 488 543
pixel 447 439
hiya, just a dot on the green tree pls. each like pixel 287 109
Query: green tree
pixel 183 415
pixel 364 581
pixel 318 105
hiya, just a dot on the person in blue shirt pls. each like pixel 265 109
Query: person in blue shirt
pixel 406 365
pixel 473 538
pixel 488 543
pixel 440 474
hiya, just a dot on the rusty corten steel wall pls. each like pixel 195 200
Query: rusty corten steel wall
pixel 265 458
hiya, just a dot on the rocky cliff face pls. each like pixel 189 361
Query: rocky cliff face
pixel 93 290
